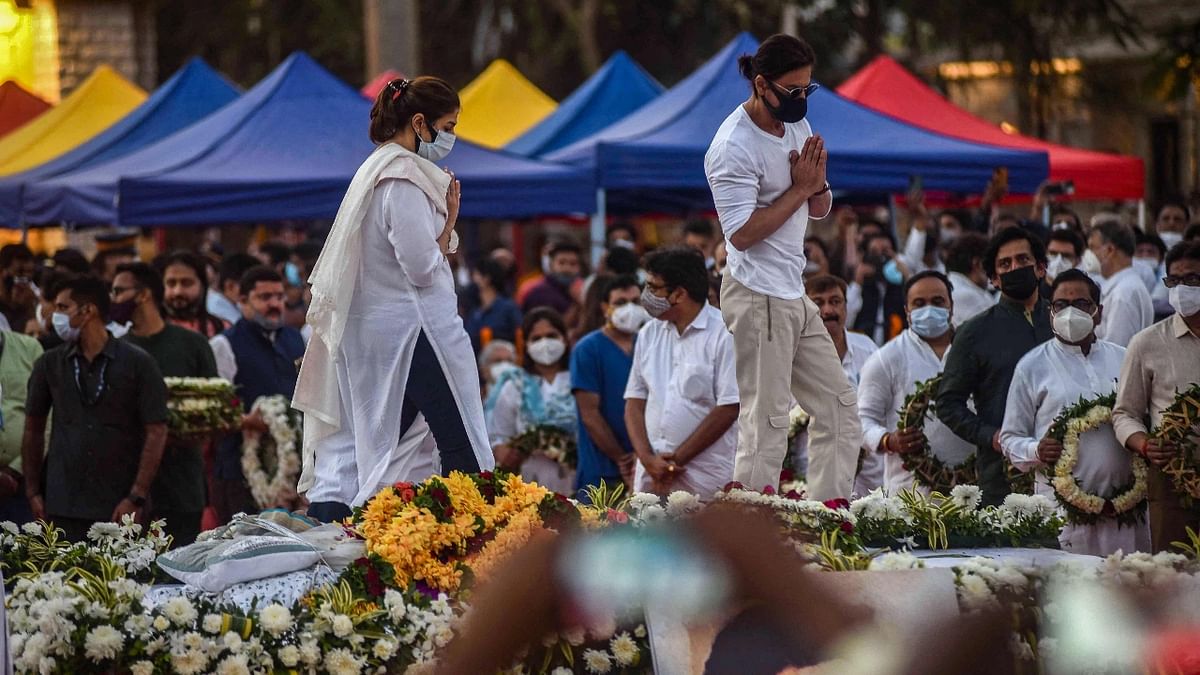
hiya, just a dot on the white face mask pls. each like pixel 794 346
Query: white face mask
pixel 547 351
pixel 1148 263
pixel 630 317
pixel 1073 325
pixel 1056 265
pixel 1185 299
pixel 1090 263
pixel 435 150
pixel 1171 239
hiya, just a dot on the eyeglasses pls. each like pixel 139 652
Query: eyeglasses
pixel 1187 280
pixel 118 291
pixel 798 92
pixel 1083 304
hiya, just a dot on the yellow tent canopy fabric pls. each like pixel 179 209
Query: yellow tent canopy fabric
pixel 101 100
pixel 499 105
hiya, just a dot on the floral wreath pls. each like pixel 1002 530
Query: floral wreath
pixel 1084 508
pixel 267 484
pixel 1179 426
pixel 924 465
pixel 550 441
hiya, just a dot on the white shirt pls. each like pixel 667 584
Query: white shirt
pixel 969 299
pixel 221 307
pixel 748 169
pixel 223 353
pixel 889 376
pixel 682 378
pixel 913 255
pixel 1127 307
pixel 1048 379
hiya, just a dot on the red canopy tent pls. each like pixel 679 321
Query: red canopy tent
pixel 377 83
pixel 886 86
pixel 18 106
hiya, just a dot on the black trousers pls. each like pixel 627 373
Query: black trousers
pixel 428 392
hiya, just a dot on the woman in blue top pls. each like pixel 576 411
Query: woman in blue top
pixel 537 395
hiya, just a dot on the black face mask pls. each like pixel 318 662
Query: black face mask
pixel 1020 283
pixel 122 312
pixel 789 110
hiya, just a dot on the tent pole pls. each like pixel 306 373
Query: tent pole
pixel 1142 214
pixel 599 219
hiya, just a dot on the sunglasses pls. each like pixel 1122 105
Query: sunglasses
pixel 798 92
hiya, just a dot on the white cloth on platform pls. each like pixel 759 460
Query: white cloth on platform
pixel 1128 308
pixel 380 282
pixel 682 378
pixel 1048 379
pixel 890 376
pixel 507 420
pixel 969 299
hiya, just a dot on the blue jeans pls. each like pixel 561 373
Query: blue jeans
pixel 427 392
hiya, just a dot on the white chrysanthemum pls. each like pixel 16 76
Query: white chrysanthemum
pixel 289 656
pixel 342 662
pixel 896 561
pixel 624 649
pixel 101 531
pixel 384 648
pixel 640 631
pixel 562 671
pixel 342 625
pixel 10 527
pixel 212 623
pixel 234 664
pixel 179 610
pixel 575 636
pixel 161 623
pixel 275 619
pixel 680 503
pixel 232 641
pixel 189 662
pixel 32 529
pixel 103 642
pixel 641 500
pixel 654 514
pixel 310 652
pixel 394 602
pixel 142 668
pixel 597 661
pixel 966 496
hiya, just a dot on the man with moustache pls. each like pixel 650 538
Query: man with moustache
pixel 259 354
pixel 185 285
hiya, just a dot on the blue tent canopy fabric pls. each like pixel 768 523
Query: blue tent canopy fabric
pixel 662 145
pixel 193 92
pixel 287 149
pixel 620 87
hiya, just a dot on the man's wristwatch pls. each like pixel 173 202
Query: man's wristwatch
pixel 822 191
pixel 137 500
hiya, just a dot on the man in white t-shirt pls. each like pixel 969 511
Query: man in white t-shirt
pixel 766 170
pixel 681 402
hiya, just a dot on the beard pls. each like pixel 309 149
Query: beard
pixel 180 308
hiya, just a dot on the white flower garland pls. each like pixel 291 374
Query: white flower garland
pixel 284 433
pixel 1068 489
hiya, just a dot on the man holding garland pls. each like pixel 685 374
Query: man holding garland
pixel 1051 379
pixel 1161 361
pixel 916 355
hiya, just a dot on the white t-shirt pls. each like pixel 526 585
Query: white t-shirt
pixel 748 169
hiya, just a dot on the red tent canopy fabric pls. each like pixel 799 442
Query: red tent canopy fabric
pixel 18 106
pixel 372 88
pixel 886 86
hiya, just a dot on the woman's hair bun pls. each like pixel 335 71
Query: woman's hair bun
pixel 746 65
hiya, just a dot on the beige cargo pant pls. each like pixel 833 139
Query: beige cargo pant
pixel 784 351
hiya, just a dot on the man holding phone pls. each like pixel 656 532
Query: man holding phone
pixel 766 170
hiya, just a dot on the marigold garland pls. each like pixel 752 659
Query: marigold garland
pixel 1084 508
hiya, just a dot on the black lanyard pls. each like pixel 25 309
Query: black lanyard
pixel 79 382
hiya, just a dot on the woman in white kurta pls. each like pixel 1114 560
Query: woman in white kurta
pixel 538 394
pixel 1053 377
pixel 389 349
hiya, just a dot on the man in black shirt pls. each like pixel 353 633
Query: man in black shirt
pixel 179 493
pixel 110 412
pixel 986 350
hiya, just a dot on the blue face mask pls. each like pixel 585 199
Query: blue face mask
pixel 293 275
pixel 929 321
pixel 892 273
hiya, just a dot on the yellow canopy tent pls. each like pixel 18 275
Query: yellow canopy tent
pixel 500 105
pixel 101 100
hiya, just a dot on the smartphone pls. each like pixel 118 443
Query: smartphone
pixel 915 187
pixel 1066 187
pixel 1000 178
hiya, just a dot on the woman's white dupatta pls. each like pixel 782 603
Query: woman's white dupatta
pixel 333 281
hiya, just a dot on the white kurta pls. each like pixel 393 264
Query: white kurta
pixel 889 377
pixel 859 349
pixel 1048 379
pixel 506 421
pixel 404 286
pixel 969 299
pixel 682 378
pixel 1128 308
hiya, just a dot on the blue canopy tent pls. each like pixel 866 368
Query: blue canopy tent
pixel 620 87
pixel 190 94
pixel 287 149
pixel 658 151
